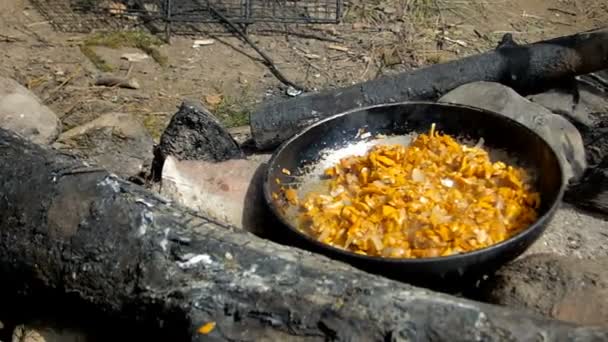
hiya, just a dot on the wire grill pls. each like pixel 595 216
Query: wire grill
pixel 87 15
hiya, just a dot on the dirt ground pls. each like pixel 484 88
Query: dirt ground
pixel 375 38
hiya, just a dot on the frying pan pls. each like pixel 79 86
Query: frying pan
pixel 322 144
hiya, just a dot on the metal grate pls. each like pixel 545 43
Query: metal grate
pixel 87 15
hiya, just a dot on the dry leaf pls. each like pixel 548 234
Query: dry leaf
pixel 213 100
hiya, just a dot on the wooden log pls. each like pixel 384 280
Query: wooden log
pixel 194 133
pixel 69 231
pixel 526 68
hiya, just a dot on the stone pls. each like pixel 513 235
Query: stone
pixel 580 101
pixel 563 288
pixel 229 192
pixel 555 129
pixel 44 333
pixel 585 104
pixel 194 133
pixel 115 141
pixel 21 111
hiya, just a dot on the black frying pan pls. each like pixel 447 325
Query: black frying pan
pixel 308 153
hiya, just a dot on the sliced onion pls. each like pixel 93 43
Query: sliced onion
pixel 447 182
pixel 377 242
pixel 324 234
pixel 417 175
pixel 337 191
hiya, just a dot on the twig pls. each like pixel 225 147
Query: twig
pixel 557 22
pixel 526 15
pixel 38 23
pixel 68 111
pixel 66 81
pixel 112 81
pixel 303 35
pixel 561 11
pixel 456 41
pixel 268 61
pixel 129 71
pixel 78 171
pixel 29 32
pixel 9 39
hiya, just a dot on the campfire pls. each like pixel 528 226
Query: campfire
pixel 192 249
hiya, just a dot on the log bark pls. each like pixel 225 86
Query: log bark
pixel 526 68
pixel 69 231
pixel 194 133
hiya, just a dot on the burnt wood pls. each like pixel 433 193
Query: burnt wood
pixel 194 133
pixel 72 232
pixel 525 68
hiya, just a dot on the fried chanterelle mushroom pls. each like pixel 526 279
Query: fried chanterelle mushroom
pixel 435 197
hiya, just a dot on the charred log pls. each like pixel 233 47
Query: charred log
pixel 194 133
pixel 69 231
pixel 525 68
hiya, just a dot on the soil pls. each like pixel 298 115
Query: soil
pixel 382 37
pixel 563 288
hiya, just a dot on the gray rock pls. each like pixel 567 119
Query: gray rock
pixel 22 112
pixel 582 109
pixel 559 287
pixel 558 131
pixel 115 141
pixel 588 110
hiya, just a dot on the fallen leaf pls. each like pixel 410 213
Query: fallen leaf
pixel 338 48
pixel 213 100
pixel 206 328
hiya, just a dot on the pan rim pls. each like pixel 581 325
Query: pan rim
pixel 472 254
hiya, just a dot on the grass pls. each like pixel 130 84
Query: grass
pixel 119 39
pixel 234 111
pixel 415 23
pixel 155 124
pixel 99 62
pixel 382 11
